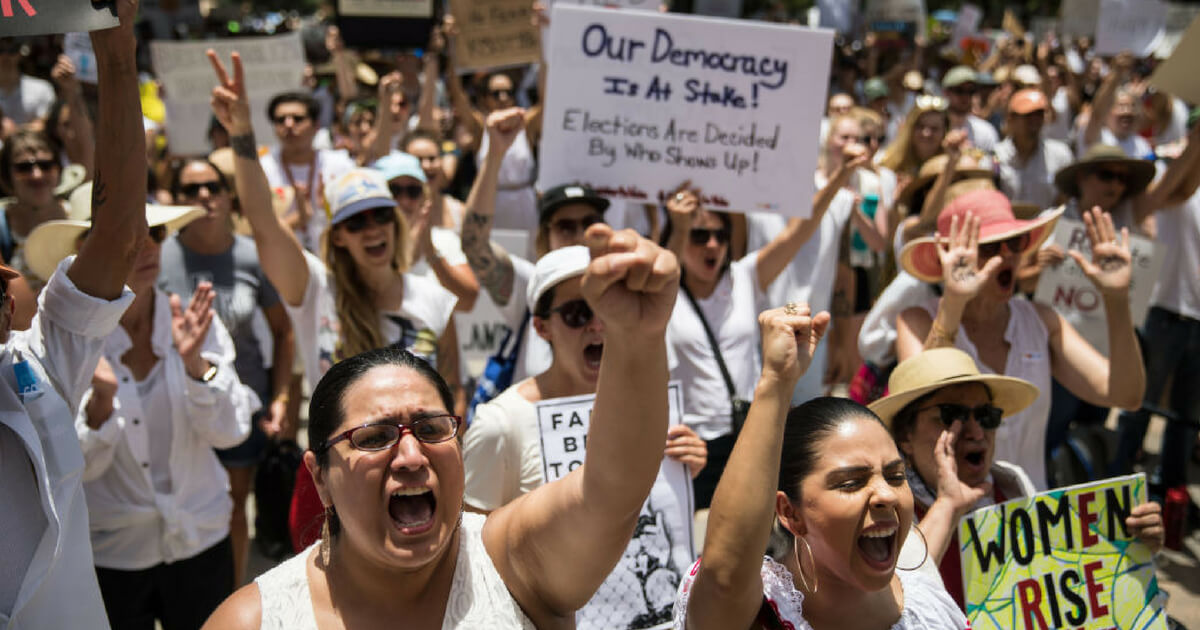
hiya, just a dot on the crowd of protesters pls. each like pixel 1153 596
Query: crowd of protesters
pixel 170 323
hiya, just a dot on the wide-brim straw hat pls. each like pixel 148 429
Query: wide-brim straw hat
pixel 934 369
pixel 967 168
pixel 1141 172
pixel 52 241
pixel 920 256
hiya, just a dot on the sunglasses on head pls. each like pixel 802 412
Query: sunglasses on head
pixel 1108 176
pixel 410 191
pixel 574 226
pixel 987 415
pixel 378 216
pixel 295 118
pixel 701 236
pixel 193 190
pixel 26 167
pixel 929 101
pixel 1015 244
pixel 574 313
pixel 500 94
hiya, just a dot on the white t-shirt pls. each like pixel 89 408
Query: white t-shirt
pixel 502 451
pixel 330 165
pixel 877 337
pixel 732 313
pixel 1032 182
pixel 31 99
pixel 1133 145
pixel 1178 286
pixel 1060 128
pixel 423 316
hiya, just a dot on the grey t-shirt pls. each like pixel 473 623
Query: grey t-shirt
pixel 242 290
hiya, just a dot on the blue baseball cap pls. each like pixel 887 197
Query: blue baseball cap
pixel 397 164
pixel 358 190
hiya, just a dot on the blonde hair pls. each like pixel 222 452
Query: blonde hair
pixel 823 157
pixel 358 318
pixel 901 154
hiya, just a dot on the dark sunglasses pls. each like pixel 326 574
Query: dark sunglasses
pixel 575 313
pixel 378 216
pixel 574 226
pixel 1107 176
pixel 701 236
pixel 987 415
pixel 500 94
pixel 963 89
pixel 378 436
pixel 1015 244
pixel 193 190
pixel 25 168
pixel 295 118
pixel 410 191
pixel 871 139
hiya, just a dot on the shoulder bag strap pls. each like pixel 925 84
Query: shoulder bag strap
pixel 712 340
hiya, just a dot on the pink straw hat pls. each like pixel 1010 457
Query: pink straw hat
pixel 997 223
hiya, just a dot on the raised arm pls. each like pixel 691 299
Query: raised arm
pixel 631 284
pixel 279 252
pixel 458 98
pixel 430 71
pixel 728 590
pixel 1105 97
pixel 119 191
pixel 492 265
pixel 927 219
pixel 343 65
pixel 378 140
pixel 1177 184
pixel 533 116
pixel 80 143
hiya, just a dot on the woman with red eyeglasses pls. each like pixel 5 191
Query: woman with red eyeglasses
pixel 975 254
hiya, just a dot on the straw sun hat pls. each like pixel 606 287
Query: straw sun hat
pixel 1141 172
pixel 934 369
pixel 920 256
pixel 52 241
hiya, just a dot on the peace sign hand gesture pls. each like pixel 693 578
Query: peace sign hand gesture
pixel 230 104
pixel 1110 268
pixel 961 274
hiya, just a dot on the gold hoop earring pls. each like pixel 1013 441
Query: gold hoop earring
pixel 800 567
pixel 924 544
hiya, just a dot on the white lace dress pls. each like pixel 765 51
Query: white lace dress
pixel 927 605
pixel 479 599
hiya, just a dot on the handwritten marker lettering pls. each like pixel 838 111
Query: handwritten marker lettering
pixel 6 8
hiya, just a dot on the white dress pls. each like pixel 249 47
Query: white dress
pixel 478 600
pixel 927 605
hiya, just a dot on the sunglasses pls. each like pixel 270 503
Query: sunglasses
pixel 987 415
pixel 410 191
pixel 701 236
pixel 500 94
pixel 378 216
pixel 575 313
pixel 871 139
pixel 962 89
pixel 1015 244
pixel 378 436
pixel 1108 176
pixel 193 190
pixel 26 168
pixel 295 118
pixel 574 226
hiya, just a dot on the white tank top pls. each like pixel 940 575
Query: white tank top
pixel 478 599
pixel 1021 438
pixel 516 201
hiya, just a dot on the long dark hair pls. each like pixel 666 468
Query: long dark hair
pixel 807 427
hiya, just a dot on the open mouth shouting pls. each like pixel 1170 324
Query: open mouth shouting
pixel 412 510
pixel 1006 278
pixel 878 546
pixel 592 354
pixel 972 460
pixel 377 250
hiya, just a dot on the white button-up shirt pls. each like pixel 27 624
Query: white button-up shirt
pixel 58 589
pixel 133 526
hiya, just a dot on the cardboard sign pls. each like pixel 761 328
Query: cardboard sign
pixel 638 102
pixel 1060 559
pixel 640 591
pixel 1177 76
pixel 1133 25
pixel 481 331
pixel 1079 17
pixel 494 33
pixel 272 64
pixel 78 47
pixel 1066 288
pixel 19 18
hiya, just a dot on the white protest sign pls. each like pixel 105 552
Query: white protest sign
pixel 967 25
pixel 640 591
pixel 1133 25
pixel 272 65
pixel 386 8
pixel 1067 290
pixel 638 102
pixel 78 47
pixel 718 8
pixel 481 331
pixel 645 5
pixel 1079 17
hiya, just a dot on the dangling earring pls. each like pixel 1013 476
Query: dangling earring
pixel 325 536
pixel 924 544
pixel 800 567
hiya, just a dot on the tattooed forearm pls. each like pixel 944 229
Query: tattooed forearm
pixel 99 192
pixel 243 146
pixel 491 264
